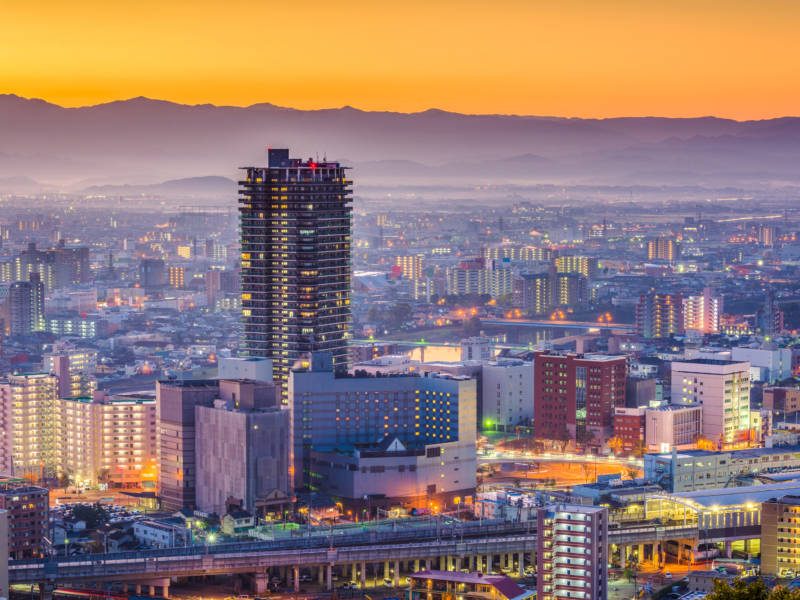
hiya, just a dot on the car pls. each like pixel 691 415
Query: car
pixel 667 575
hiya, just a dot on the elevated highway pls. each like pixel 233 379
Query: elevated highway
pixel 482 545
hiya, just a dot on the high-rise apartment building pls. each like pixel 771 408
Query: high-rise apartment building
pixel 176 276
pixel 295 221
pixel 25 306
pixel 410 265
pixel 572 548
pixel 702 312
pixel 533 291
pixel 582 265
pixel 659 315
pixel 663 248
pixel 780 536
pixel 569 289
pixel 110 439
pixel 31 445
pixel 722 388
pixel 575 396
pixel 74 368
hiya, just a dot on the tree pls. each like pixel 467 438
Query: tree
pixel 92 514
pixel 703 443
pixel 754 590
pixel 615 443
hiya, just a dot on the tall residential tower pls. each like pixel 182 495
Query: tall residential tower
pixel 295 244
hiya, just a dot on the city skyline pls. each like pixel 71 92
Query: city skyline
pixel 581 59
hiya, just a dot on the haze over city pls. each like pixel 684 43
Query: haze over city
pixel 455 300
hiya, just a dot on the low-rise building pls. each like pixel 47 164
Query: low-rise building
pixel 672 426
pixel 692 470
pixel 446 585
pixel 166 533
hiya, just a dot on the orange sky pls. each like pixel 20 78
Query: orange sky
pixel 734 58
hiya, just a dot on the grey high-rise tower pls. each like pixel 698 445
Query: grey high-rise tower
pixel 296 220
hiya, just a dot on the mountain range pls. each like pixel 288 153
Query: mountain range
pixel 141 142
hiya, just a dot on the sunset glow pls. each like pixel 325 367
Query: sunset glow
pixel 572 58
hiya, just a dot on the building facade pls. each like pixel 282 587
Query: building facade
pixel 242 445
pixel 27 514
pixel 507 394
pixel 434 412
pixel 722 388
pixel 176 402
pixel 673 426
pixel 295 220
pixel 576 394
pixel 572 548
pixel 780 536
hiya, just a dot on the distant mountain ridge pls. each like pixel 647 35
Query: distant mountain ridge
pixel 145 140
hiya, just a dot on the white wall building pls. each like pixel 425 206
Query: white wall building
pixel 722 388
pixel 507 394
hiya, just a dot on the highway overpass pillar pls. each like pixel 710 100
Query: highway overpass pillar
pixel 354 572
pixel 428 564
pixel 321 575
pixel 489 558
pixel 386 572
pixel 458 563
pixel 396 577
pixel 165 590
pixel 296 578
pixel 416 565
pixel 728 549
pixel 260 583
pixel 623 556
pixel 363 575
pixel 46 589
pixel 521 565
pixel 329 577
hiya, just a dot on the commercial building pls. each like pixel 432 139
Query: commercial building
pixel 476 349
pixel 572 548
pixel 29 418
pixel 242 447
pixel 659 315
pixel 702 313
pixel 507 394
pixel 780 536
pixel 690 470
pixel 576 394
pixel 295 221
pixel 176 402
pixel 372 429
pixel 781 400
pixel 672 426
pixel 252 368
pixel 769 365
pixel 722 388
pixel 26 510
pixel 629 426
pixel 152 274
